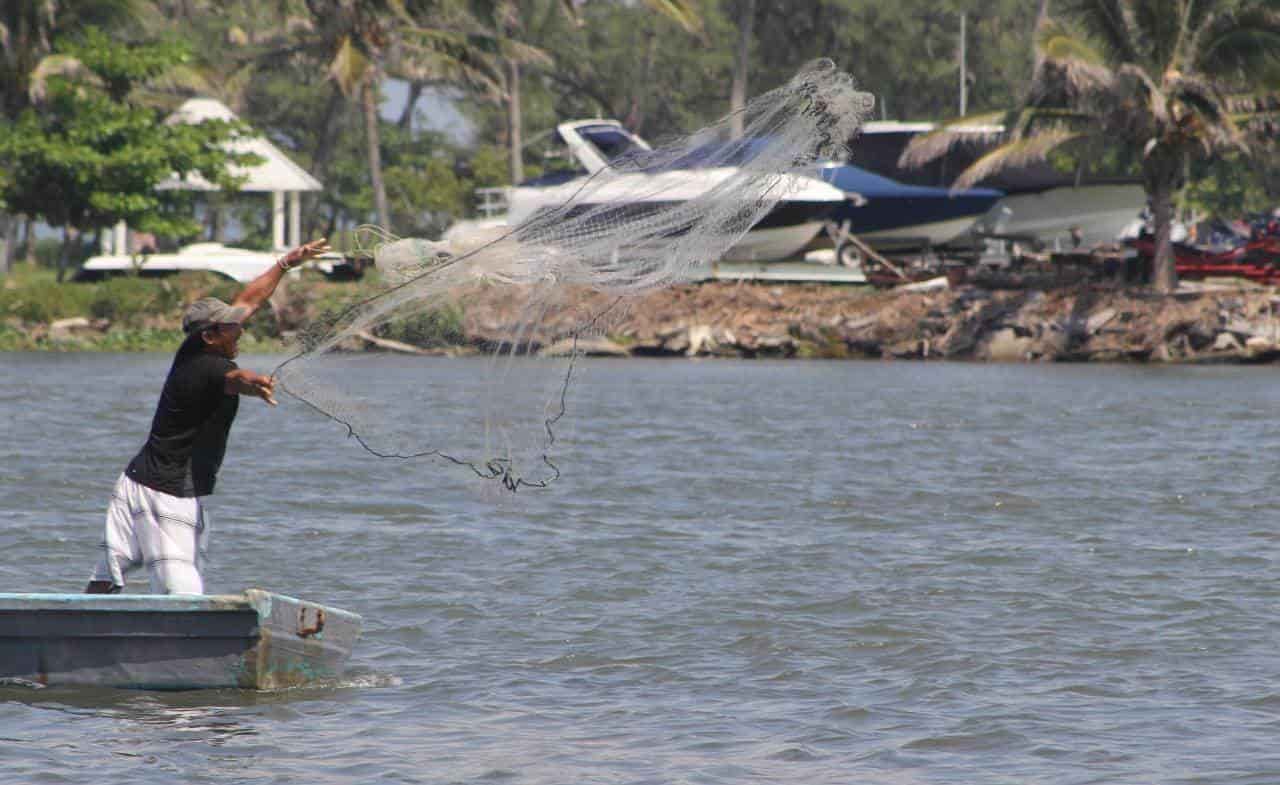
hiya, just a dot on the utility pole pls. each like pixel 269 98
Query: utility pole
pixel 964 69
pixel 738 90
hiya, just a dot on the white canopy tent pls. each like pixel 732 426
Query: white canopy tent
pixel 276 174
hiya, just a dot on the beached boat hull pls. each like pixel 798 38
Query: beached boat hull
pixel 254 640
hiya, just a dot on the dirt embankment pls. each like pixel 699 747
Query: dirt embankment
pixel 763 320
pixel 731 319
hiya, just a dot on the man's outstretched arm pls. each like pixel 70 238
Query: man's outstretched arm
pixel 255 293
pixel 242 381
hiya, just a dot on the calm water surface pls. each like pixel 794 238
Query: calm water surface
pixel 751 572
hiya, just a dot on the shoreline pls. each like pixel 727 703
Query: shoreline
pixel 1223 323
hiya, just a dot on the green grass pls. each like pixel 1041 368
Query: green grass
pixel 145 314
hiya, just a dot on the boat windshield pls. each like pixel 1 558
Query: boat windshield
pixel 610 140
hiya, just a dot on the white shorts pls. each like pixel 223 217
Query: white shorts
pixel 167 534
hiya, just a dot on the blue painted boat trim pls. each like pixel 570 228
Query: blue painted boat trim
pixel 256 640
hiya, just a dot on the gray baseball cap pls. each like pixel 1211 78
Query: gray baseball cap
pixel 208 311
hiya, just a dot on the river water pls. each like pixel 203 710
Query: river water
pixel 802 572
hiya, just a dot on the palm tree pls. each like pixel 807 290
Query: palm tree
pixel 502 20
pixel 1166 80
pixel 357 33
pixel 476 46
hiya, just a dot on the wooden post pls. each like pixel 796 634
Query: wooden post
pixel 295 219
pixel 277 220
pixel 964 82
pixel 515 123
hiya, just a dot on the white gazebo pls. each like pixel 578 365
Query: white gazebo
pixel 276 174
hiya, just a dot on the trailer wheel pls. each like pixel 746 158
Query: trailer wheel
pixel 850 256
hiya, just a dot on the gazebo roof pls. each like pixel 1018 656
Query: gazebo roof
pixel 276 172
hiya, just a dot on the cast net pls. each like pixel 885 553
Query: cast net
pixel 531 293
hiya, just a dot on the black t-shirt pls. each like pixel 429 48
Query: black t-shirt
pixel 189 431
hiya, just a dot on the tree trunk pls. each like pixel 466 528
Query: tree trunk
pixel 1164 276
pixel 515 124
pixel 406 117
pixel 1042 17
pixel 738 93
pixel 213 219
pixel 1162 171
pixel 370 94
pixel 324 151
pixel 70 238
pixel 28 245
pixel 8 225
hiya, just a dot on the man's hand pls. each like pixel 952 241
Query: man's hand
pixel 245 382
pixel 303 252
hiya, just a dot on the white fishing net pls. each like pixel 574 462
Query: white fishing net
pixel 540 286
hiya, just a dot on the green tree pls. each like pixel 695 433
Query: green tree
pixel 906 52
pixel 28 31
pixel 504 47
pixel 1169 81
pixel 87 156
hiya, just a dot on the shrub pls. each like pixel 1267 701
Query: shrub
pixel 34 295
pixel 126 298
pixel 438 327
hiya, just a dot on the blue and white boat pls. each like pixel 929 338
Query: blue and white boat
pixel 890 215
pixel 880 211
pixel 591 147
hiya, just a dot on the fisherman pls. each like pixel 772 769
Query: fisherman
pixel 156 514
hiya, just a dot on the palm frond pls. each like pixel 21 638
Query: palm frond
pixel 1240 43
pixel 525 54
pixel 1256 115
pixel 181 80
pixel 234 88
pixel 1199 93
pixel 1108 22
pixel 348 66
pixel 1202 23
pixel 571 10
pixel 1013 154
pixel 923 148
pixel 54 66
pixel 433 68
pixel 446 55
pixel 1034 120
pixel 1056 41
pixel 683 13
pixel 1135 84
pixel 1071 67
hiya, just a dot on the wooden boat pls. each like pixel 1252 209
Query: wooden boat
pixel 254 640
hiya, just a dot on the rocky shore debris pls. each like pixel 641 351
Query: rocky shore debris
pixel 1202 323
pixel 1079 324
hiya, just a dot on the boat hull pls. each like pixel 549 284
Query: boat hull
pixel 774 243
pixel 893 216
pixel 1100 211
pixel 916 235
pixel 254 640
pixel 782 232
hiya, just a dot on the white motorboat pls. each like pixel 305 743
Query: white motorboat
pixel 238 264
pixel 593 145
